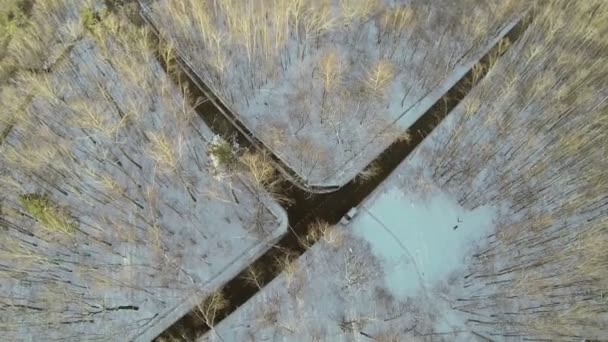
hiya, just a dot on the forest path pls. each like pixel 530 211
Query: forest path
pixel 307 208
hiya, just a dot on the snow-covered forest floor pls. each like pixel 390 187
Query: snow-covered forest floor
pixel 493 229
pixel 328 85
pixel 111 205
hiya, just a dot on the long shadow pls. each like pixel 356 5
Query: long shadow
pixel 307 208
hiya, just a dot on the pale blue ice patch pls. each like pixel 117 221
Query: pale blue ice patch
pixel 420 241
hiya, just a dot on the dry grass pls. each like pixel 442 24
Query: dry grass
pixel 30 43
pixel 165 151
pixel 369 173
pixel 405 137
pixel 53 25
pixel 321 231
pixel 286 263
pixel 13 15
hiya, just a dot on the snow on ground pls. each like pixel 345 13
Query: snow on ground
pixel 329 95
pixel 113 145
pixel 494 228
pixel 428 239
pixel 395 271
pixel 36 44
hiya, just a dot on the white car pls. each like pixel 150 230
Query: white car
pixel 349 216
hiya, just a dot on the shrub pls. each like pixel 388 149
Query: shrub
pixel 260 168
pixel 262 173
pixel 371 171
pixel 254 276
pixel 222 153
pixel 325 232
pixel 51 216
pixel 12 14
pixel 89 18
pixel 210 309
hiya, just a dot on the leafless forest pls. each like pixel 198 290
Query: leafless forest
pixel 323 83
pixel 538 125
pixel 117 201
pixel 109 193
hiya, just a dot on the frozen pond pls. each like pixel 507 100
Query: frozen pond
pixel 419 241
pixel 395 271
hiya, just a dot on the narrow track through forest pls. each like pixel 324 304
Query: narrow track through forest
pixel 304 208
